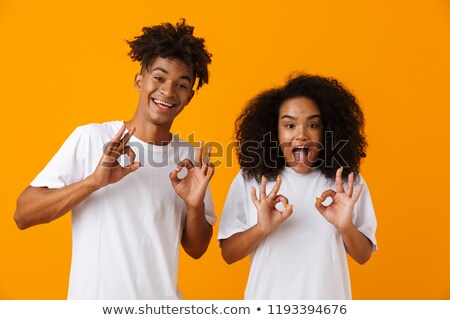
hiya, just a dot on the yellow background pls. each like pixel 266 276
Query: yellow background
pixel 64 64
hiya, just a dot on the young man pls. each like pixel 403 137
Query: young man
pixel 129 214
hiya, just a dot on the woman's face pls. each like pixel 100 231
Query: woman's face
pixel 300 133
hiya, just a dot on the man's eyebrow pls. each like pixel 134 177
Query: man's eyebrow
pixel 288 116
pixel 186 77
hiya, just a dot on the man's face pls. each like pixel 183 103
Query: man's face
pixel 165 89
pixel 300 133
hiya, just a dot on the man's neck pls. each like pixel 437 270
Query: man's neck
pixel 150 133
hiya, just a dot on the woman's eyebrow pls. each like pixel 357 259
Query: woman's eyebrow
pixel 288 116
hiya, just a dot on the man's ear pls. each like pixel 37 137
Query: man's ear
pixel 138 81
pixel 190 96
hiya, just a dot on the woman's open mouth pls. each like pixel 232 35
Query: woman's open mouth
pixel 300 154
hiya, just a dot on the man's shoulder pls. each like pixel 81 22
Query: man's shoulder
pixel 105 130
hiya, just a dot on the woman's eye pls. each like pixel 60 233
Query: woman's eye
pixel 289 126
pixel 313 125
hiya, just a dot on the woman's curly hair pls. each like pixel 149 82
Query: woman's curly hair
pixel 168 41
pixel 256 134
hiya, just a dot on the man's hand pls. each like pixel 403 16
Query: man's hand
pixel 192 188
pixel 108 169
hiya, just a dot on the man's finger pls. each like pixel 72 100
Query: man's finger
pixel 113 151
pixel 174 177
pixel 119 134
pixel 207 156
pixel 128 151
pixel 131 168
pixel 127 136
pixel 185 163
pixel 198 155
pixel 210 172
pixel 109 162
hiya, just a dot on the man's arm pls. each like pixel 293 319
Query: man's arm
pixel 192 189
pixel 42 205
pixel 197 233
pixel 38 205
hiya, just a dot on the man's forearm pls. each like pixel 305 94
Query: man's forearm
pixel 42 205
pixel 197 233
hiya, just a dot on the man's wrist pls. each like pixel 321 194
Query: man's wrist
pixel 91 183
pixel 195 208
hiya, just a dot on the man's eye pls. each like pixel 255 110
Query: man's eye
pixel 158 78
pixel 182 86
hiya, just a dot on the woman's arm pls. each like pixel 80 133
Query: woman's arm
pixel 241 244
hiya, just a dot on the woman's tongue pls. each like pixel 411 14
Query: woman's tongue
pixel 300 155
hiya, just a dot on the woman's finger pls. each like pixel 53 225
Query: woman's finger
pixel 254 198
pixel 262 188
pixel 350 181
pixel 319 200
pixel 339 182
pixel 275 189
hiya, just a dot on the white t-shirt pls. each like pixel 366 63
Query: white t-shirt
pixel 125 236
pixel 304 258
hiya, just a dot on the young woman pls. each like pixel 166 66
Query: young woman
pixel 299 145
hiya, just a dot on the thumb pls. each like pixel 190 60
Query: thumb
pixel 174 176
pixel 131 168
pixel 288 212
pixel 319 200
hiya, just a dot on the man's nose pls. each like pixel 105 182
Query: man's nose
pixel 167 89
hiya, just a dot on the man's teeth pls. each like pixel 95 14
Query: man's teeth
pixel 163 104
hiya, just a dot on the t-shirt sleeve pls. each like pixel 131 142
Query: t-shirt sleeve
pixel 364 217
pixel 234 216
pixel 209 208
pixel 67 166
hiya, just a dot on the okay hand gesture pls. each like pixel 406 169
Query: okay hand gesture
pixel 108 169
pixel 192 187
pixel 340 212
pixel 269 217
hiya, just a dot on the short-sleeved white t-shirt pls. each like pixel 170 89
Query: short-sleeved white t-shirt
pixel 304 258
pixel 125 236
